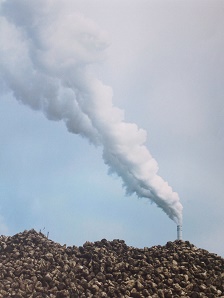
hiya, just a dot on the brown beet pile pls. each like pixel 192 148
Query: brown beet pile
pixel 33 266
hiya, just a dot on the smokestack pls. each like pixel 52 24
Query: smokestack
pixel 179 232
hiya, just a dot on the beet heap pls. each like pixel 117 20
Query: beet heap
pixel 31 265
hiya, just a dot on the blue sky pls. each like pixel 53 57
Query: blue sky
pixel 164 63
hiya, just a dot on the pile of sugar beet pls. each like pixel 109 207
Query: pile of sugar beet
pixel 31 265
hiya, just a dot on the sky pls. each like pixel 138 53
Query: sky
pixel 163 63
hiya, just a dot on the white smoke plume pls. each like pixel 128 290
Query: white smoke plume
pixel 45 54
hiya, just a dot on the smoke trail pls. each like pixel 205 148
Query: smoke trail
pixel 45 53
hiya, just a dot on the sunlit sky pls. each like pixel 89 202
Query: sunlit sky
pixel 164 62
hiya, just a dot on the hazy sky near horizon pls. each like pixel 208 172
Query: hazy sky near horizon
pixel 164 62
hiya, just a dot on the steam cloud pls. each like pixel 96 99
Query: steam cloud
pixel 45 54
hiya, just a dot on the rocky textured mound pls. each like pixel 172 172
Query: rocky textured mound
pixel 33 266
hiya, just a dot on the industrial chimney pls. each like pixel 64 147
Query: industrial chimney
pixel 179 232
